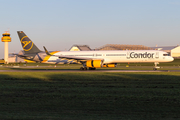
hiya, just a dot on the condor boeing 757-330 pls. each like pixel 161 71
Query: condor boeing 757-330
pixel 91 59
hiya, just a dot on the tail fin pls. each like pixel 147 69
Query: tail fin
pixel 28 46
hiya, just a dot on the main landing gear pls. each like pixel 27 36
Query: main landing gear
pixel 85 68
pixel 155 66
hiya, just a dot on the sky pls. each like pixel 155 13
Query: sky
pixel 60 24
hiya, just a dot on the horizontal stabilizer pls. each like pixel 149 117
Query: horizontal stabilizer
pixel 23 56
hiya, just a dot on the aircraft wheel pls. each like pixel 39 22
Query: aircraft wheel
pixel 85 68
pixel 81 68
pixel 154 68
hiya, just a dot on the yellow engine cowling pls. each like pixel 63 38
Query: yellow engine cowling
pixel 110 65
pixel 94 63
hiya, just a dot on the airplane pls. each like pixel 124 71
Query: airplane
pixel 91 59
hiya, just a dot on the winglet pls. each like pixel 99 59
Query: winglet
pixel 46 51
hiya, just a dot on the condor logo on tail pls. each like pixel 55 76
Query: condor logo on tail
pixel 26 43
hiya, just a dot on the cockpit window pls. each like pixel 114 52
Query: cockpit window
pixel 166 54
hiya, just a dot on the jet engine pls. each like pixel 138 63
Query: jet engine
pixel 94 63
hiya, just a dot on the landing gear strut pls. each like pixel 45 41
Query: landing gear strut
pixel 155 66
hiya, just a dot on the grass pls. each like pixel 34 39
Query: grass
pixel 82 95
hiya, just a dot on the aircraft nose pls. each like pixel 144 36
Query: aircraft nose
pixel 171 58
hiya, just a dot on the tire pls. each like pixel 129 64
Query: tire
pixel 154 68
pixel 85 68
pixel 81 68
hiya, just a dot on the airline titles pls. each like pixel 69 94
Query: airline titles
pixel 141 55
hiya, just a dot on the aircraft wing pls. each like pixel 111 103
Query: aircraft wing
pixel 73 57
pixel 24 56
pixel 70 57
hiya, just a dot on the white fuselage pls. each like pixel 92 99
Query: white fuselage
pixel 118 56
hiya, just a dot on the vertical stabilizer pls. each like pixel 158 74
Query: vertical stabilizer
pixel 28 46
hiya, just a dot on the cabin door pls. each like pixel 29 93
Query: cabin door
pixel 128 55
pixel 157 55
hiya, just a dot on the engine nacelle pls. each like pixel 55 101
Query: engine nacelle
pixel 110 65
pixel 94 63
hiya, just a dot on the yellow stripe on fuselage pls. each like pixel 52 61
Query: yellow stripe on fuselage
pixel 48 56
pixel 29 61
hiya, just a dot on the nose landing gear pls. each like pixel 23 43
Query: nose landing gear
pixel 155 66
